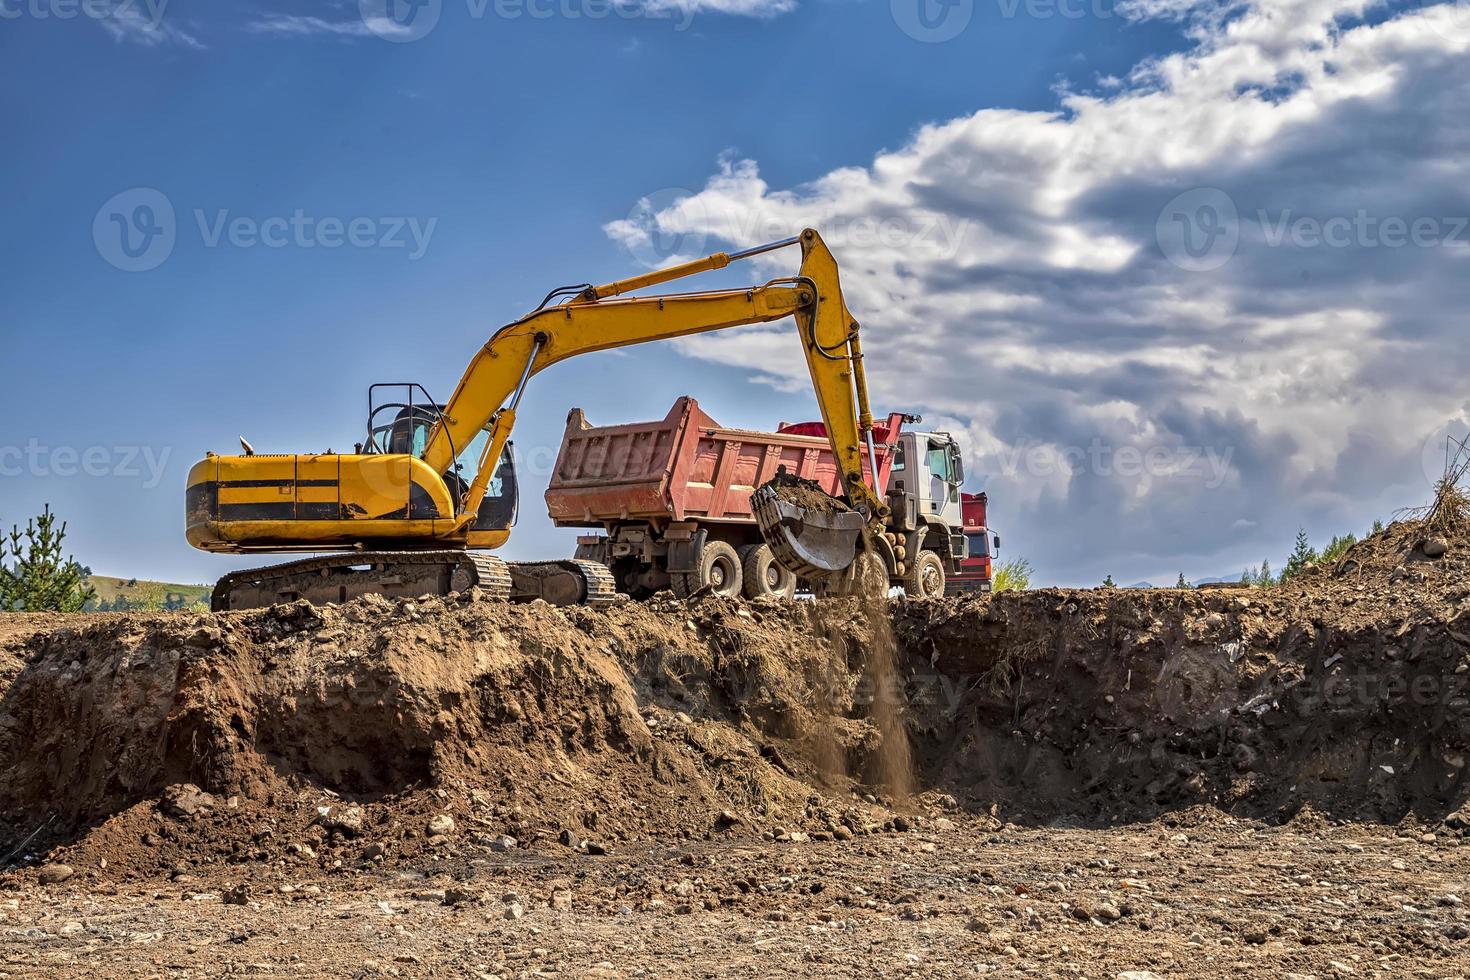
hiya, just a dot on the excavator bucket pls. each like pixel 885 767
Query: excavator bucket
pixel 810 532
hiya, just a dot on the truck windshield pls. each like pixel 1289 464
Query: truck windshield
pixel 979 543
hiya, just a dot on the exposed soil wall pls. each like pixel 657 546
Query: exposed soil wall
pixel 1345 691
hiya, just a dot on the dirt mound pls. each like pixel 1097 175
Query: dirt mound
pixel 348 734
pixel 1406 553
pixel 613 724
pixel 1106 705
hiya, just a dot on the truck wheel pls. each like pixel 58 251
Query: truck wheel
pixel 719 568
pixel 764 575
pixel 925 577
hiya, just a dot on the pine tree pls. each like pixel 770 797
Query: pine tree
pixel 1108 582
pixel 1263 577
pixel 1377 527
pixel 40 579
pixel 1338 546
pixel 1302 555
pixel 1181 584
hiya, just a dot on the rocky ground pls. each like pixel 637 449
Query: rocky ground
pixel 1106 783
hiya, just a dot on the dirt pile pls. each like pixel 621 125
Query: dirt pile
pixel 1348 690
pixel 152 740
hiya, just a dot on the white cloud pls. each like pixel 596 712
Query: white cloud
pixel 144 24
pixel 292 25
pixel 1010 275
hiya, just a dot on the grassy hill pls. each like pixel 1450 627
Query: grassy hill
pixel 144 594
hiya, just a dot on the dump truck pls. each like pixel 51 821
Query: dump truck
pixel 976 571
pixel 673 500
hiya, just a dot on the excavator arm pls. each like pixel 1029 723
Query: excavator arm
pixel 604 317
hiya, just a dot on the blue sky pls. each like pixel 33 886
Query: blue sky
pixel 501 155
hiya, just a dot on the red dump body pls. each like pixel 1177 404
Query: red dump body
pixel 686 467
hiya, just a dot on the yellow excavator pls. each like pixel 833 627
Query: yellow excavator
pixel 414 509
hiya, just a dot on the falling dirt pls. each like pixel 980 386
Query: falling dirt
pixel 892 765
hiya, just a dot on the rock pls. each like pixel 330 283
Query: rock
pixel 346 820
pixel 460 896
pixel 561 900
pixel 185 800
pixel 441 826
pixel 54 874
pixel 570 839
pixel 1138 975
pixel 593 847
pixel 1254 935
pixel 902 824
pixel 1107 912
pixel 374 851
pixel 514 911
pixel 238 895
pixel 71 929
pixel 1435 547
pixel 503 844
pixel 726 818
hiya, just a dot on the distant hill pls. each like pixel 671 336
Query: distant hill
pixel 133 593
pixel 1141 585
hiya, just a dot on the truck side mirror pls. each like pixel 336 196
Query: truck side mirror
pixel 995 542
pixel 957 466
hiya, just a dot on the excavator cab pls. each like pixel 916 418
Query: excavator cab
pixel 401 425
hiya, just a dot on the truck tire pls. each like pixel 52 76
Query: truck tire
pixel 763 575
pixel 924 578
pixel 719 568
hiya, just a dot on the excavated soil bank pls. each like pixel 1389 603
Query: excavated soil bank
pixel 149 740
